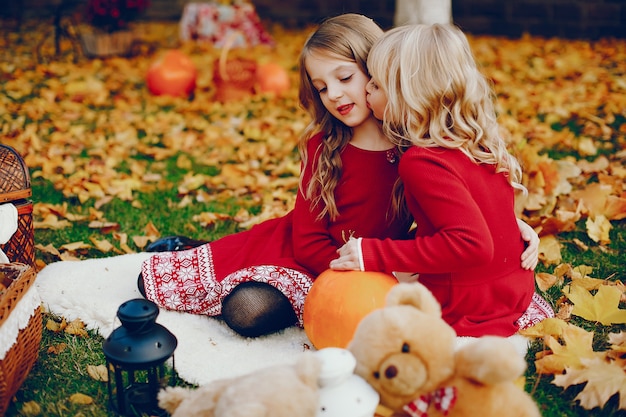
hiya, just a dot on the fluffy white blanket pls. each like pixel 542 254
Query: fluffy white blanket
pixel 92 290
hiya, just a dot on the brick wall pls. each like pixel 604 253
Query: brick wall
pixel 585 19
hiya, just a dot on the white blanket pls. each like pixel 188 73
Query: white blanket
pixel 92 290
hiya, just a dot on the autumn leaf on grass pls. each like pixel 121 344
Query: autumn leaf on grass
pixel 142 241
pixel 603 380
pixel 123 239
pixel 151 230
pixel 104 226
pixel 616 208
pixel 74 246
pixel 56 349
pixel 76 327
pixel 603 307
pixel 98 372
pixel 598 229
pixel 549 327
pixel 51 222
pixel 207 219
pixel 598 200
pixel 49 248
pixel 67 256
pixel 588 283
pixel 577 344
pixel 549 250
pixel 102 245
pixel 55 326
pixel 79 398
pixel 30 408
pixel 192 182
pixel 545 280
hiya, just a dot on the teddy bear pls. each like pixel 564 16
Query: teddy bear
pixel 410 356
pixel 278 391
pixel 319 384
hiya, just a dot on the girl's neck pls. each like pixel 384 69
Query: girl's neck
pixel 369 136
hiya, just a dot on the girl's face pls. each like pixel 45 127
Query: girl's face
pixel 376 99
pixel 341 87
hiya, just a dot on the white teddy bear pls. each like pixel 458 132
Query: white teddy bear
pixel 342 392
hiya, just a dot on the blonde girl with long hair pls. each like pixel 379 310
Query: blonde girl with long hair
pixel 257 279
pixel 459 184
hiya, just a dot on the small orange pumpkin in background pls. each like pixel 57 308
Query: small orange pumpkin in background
pixel 173 73
pixel 337 302
pixel 273 78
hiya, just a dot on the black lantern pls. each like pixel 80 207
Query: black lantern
pixel 136 354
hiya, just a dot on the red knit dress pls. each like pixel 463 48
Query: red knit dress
pixel 467 246
pixel 287 252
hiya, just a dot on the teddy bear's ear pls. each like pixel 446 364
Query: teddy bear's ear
pixel 416 295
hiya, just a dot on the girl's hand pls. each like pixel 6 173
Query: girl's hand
pixel 348 259
pixel 530 257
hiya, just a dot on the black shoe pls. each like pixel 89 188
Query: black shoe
pixel 173 244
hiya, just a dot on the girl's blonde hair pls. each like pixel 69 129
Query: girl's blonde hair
pixel 350 37
pixel 437 96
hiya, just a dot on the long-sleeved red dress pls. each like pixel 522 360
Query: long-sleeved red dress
pixel 467 245
pixel 287 252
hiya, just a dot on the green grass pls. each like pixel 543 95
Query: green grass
pixel 55 377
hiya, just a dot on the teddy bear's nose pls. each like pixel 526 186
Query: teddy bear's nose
pixel 391 372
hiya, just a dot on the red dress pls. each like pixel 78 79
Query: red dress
pixel 287 252
pixel 467 246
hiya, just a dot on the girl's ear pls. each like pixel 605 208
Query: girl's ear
pixel 416 295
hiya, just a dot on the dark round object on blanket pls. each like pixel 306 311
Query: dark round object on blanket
pixel 256 308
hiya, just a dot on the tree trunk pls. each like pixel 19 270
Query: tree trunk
pixel 422 11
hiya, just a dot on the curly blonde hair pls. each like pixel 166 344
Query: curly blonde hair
pixel 437 96
pixel 350 37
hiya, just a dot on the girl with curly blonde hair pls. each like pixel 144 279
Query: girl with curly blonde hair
pixel 459 184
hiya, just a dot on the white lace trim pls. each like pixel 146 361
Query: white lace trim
pixel 18 319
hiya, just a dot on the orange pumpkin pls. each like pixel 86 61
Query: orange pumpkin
pixel 174 74
pixel 273 78
pixel 337 302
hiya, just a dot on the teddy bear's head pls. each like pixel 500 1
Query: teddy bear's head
pixel 404 348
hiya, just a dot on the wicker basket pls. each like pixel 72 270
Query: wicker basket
pixel 234 78
pixel 17 278
pixel 15 188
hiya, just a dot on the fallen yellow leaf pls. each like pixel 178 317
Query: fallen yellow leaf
pixel 598 229
pixel 79 398
pixel 602 380
pixel 76 327
pixel 577 344
pixel 549 250
pixel 30 409
pixel 98 372
pixel 603 307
